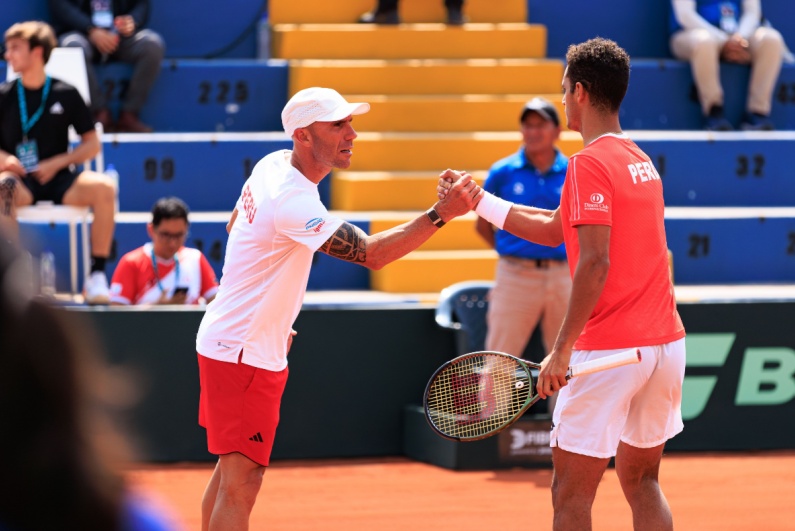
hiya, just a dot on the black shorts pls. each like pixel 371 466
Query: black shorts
pixel 53 190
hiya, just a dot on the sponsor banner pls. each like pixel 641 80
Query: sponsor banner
pixel 739 387
pixel 526 442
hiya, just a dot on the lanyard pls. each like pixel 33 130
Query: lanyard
pixel 27 124
pixel 157 275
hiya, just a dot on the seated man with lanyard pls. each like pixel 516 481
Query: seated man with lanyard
pixel 164 271
pixel 36 163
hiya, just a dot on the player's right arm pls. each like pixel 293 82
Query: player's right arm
pixel 352 244
pixel 537 225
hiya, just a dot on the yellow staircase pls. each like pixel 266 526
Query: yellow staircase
pixel 441 97
pixel 411 11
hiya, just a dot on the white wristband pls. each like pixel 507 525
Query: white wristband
pixel 493 209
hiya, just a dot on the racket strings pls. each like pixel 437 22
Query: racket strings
pixel 477 395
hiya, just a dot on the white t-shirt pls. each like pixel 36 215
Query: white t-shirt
pixel 280 224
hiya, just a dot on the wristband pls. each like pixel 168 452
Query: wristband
pixel 435 218
pixel 493 209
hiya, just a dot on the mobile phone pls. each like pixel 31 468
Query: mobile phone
pixel 180 290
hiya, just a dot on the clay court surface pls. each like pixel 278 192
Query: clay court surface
pixel 751 491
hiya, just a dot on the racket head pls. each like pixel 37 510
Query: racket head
pixel 479 394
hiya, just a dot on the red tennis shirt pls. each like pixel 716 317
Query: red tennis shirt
pixel 612 182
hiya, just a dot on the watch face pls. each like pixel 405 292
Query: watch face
pixel 435 218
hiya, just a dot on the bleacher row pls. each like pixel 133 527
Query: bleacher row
pixel 441 97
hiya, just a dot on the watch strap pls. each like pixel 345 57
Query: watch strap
pixel 434 216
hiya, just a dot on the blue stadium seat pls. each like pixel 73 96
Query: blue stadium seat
pixel 726 169
pixel 717 246
pixel 662 96
pixel 206 170
pixel 193 95
pixel 218 95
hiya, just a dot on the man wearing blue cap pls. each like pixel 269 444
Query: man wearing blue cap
pixel 532 283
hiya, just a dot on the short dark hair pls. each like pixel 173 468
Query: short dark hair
pixel 36 33
pixel 602 67
pixel 169 208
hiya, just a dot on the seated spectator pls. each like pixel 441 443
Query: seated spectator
pixel 706 32
pixel 164 271
pixel 64 454
pixel 113 30
pixel 36 163
pixel 386 12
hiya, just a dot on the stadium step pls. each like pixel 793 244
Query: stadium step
pixel 221 95
pixel 397 171
pixel 662 96
pixel 438 151
pixel 704 243
pixel 432 271
pixel 429 76
pixel 206 170
pixel 325 12
pixel 722 169
pixel 409 41
pixel 446 113
pixel 248 96
pixel 159 164
pixel 381 190
pixel 458 234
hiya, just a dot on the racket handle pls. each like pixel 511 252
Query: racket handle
pixel 608 362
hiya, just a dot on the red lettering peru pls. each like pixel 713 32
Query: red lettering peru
pixel 248 204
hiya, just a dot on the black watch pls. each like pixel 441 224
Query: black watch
pixel 435 218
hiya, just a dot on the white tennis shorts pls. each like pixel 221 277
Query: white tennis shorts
pixel 638 404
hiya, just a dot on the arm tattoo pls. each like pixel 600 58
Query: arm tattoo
pixel 347 244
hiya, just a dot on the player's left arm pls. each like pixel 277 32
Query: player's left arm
pixel 231 221
pixel 589 280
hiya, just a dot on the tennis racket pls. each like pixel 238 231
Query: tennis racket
pixel 477 395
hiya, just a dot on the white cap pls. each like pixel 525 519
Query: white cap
pixel 317 104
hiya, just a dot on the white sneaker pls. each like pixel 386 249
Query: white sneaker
pixel 95 289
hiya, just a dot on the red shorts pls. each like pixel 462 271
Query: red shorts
pixel 239 407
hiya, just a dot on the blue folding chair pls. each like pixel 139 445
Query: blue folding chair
pixel 462 307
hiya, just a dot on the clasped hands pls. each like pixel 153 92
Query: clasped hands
pixel 736 50
pixel 44 173
pixel 107 40
pixel 458 193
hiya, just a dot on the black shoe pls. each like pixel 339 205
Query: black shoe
pixel 757 122
pixel 455 17
pixel 374 17
pixel 715 121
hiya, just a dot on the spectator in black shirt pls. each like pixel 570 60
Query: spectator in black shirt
pixel 36 163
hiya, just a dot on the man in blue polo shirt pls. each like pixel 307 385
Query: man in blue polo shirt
pixel 532 282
